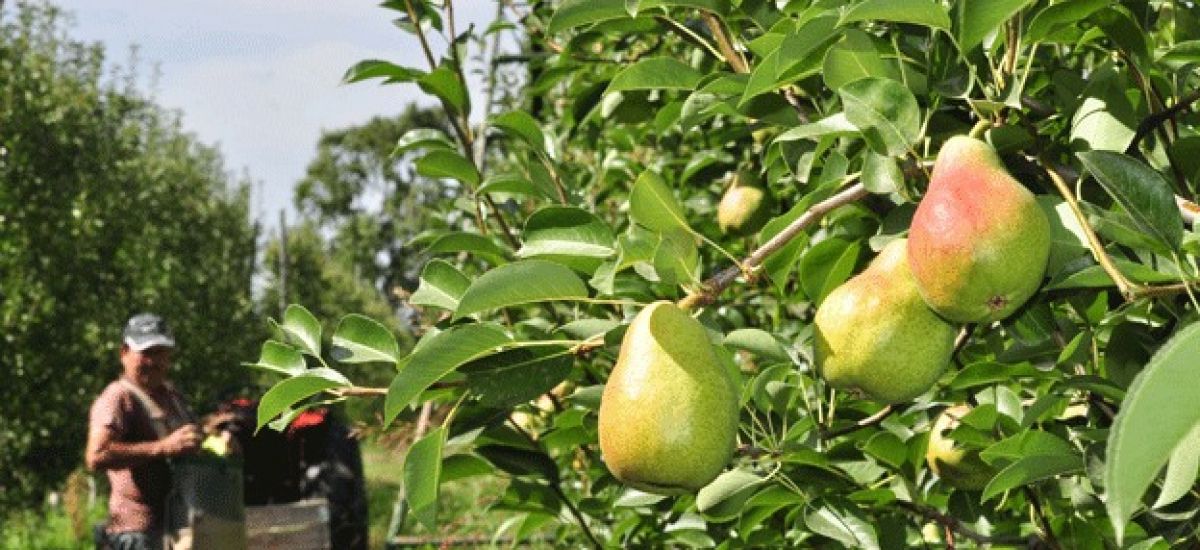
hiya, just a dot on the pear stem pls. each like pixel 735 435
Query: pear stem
pixel 980 127
pixel 1126 288
pixel 713 287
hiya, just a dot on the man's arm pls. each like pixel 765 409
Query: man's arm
pixel 105 452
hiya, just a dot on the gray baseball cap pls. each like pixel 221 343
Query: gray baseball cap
pixel 147 330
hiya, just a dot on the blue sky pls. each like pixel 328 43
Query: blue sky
pixel 261 78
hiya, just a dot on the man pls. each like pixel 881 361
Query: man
pixel 132 441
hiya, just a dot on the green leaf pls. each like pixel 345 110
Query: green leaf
pixel 654 206
pixel 576 13
pixel 443 82
pixel 987 372
pixel 360 339
pixel 442 285
pixel 436 358
pixel 826 265
pixel 1123 30
pixel 462 466
pixel 918 12
pixel 444 163
pixel 280 358
pixel 1143 434
pixel 722 499
pixel 520 462
pixel 521 282
pixel 798 54
pixel 303 328
pixel 1181 470
pixel 978 18
pixel 524 127
pixel 880 174
pixel 1094 276
pixel 1141 191
pixel 516 376
pixel 452 243
pixel 1181 54
pixel 1054 18
pixel 1026 443
pixel 375 68
pixel 758 342
pixel 422 138
pixel 633 498
pixel 1029 469
pixel 566 231
pixel 854 57
pixel 885 111
pixel 835 125
pixel 287 393
pixel 422 475
pixel 842 525
pixel 515 184
pixel 655 73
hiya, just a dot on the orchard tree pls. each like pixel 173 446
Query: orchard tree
pixel 107 208
pixel 872 274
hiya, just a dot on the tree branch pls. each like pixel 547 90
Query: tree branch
pixel 713 287
pixel 872 420
pixel 1154 120
pixel 1123 285
pixel 725 43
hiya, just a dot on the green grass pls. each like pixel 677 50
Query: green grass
pixel 461 505
pixel 48 528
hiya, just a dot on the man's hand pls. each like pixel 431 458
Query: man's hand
pixel 185 440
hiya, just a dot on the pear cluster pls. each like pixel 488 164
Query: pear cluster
pixel 976 251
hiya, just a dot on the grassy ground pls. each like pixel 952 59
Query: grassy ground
pixel 462 503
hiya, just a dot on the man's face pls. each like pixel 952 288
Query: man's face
pixel 148 368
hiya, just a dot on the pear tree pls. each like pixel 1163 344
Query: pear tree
pixel 992 346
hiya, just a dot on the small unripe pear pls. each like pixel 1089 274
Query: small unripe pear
pixel 746 206
pixel 669 411
pixel 956 466
pixel 875 335
pixel 979 243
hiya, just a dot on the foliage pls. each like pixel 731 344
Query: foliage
pixel 107 208
pixel 595 194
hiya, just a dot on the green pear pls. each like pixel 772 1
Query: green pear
pixel 956 466
pixel 875 335
pixel 746 206
pixel 978 244
pixel 669 412
pixel 216 445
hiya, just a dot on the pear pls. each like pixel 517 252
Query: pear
pixel 216 445
pixel 978 244
pixel 956 466
pixel 669 412
pixel 746 206
pixel 875 335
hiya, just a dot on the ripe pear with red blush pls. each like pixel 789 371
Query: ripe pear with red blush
pixel 978 243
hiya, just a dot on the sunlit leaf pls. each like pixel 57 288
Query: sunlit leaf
pixel 1142 436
